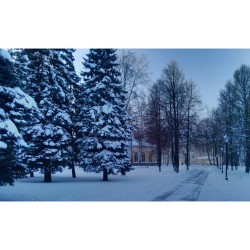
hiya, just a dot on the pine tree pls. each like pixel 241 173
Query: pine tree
pixel 64 66
pixel 15 106
pixel 22 73
pixel 9 147
pixel 103 123
pixel 50 135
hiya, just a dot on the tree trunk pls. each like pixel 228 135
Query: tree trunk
pixel 208 155
pixel 105 174
pixel 73 171
pixel 159 160
pixel 188 137
pixel 176 153
pixel 231 155
pixel 237 160
pixel 247 161
pixel 47 176
pixel 123 172
pixel 159 152
pixel 187 149
pixel 172 154
pixel 216 154
pixel 159 164
pixel 31 174
pixel 177 162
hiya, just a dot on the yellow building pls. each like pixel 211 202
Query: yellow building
pixel 144 154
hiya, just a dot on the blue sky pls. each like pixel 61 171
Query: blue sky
pixel 209 68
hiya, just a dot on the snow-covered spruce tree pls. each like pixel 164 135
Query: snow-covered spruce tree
pixel 15 107
pixel 64 66
pixel 22 73
pixel 103 123
pixel 49 135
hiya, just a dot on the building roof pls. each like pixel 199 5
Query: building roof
pixel 144 144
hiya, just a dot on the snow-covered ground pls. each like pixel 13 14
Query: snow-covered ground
pixel 128 225
pixel 141 184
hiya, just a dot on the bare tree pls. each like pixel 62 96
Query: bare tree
pixel 204 140
pixel 174 89
pixel 242 98
pixel 231 123
pixel 138 121
pixel 134 77
pixel 134 74
pixel 193 104
pixel 155 122
pixel 234 103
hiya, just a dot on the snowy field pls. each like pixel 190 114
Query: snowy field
pixel 128 225
pixel 141 184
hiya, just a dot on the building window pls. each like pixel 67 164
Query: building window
pixel 143 157
pixel 150 157
pixel 136 158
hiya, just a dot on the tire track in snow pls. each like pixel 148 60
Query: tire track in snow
pixel 187 190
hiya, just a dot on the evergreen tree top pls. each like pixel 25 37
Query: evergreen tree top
pixel 100 63
pixel 103 123
pixel 7 78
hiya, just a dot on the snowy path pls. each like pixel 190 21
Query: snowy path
pixel 188 190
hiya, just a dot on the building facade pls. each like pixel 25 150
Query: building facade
pixel 144 154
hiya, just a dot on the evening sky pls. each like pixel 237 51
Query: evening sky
pixel 210 69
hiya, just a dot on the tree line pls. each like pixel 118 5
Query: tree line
pixel 228 125
pixel 173 120
pixel 50 119
pixel 171 115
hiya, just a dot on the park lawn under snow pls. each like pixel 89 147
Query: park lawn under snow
pixel 216 188
pixel 141 184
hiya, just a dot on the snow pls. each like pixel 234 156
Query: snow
pixel 105 130
pixel 24 99
pixel 141 184
pixel 25 57
pixel 106 79
pixel 59 131
pixel 21 142
pixel 48 132
pixel 50 151
pixel 92 65
pixel 64 116
pixel 4 53
pixel 102 70
pixel 38 129
pixel 3 145
pixel 8 125
pixel 92 114
pixel 113 144
pixel 178 225
pixel 218 189
pixel 49 143
pixel 117 121
pixel 19 97
pixel 2 113
pixel 107 109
